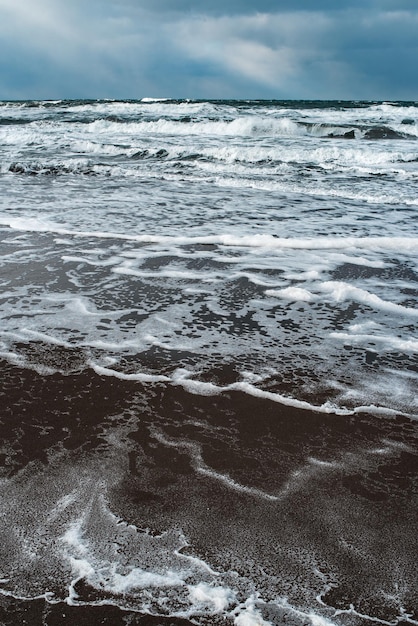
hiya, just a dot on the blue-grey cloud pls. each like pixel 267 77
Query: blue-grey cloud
pixel 183 48
pixel 249 7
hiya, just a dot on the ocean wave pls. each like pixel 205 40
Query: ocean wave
pixel 78 166
pixel 150 100
pixel 243 126
pixel 13 121
pixel 269 242
pixel 359 132
pixel 103 151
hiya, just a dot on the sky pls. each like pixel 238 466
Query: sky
pixel 282 49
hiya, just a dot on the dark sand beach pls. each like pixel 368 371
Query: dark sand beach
pixel 319 508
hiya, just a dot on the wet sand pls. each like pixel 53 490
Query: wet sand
pixel 297 504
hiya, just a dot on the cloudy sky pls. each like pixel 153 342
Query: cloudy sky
pixel 327 49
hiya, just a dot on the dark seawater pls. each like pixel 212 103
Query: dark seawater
pixel 208 355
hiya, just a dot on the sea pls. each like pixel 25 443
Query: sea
pixel 209 372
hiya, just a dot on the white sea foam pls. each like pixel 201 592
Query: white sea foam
pixel 384 342
pixel 291 293
pixel 73 538
pixel 226 480
pixel 136 377
pixel 250 615
pixel 90 261
pixel 252 390
pixel 313 274
pixel 216 599
pixel 369 618
pixel 34 334
pixel 166 273
pixel 139 579
pixel 183 378
pixel 341 291
pixel 358 260
pixel 408 244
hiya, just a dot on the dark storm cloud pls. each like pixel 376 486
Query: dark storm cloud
pixel 195 48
